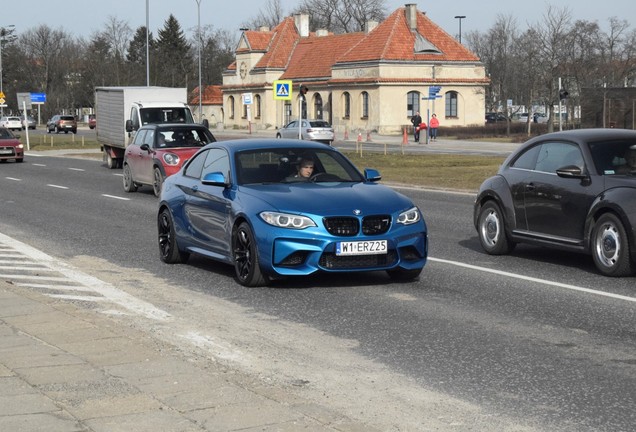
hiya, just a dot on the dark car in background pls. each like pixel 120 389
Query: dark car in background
pixel 572 190
pixel 311 130
pixel 159 150
pixel 10 147
pixel 62 123
pixel 492 117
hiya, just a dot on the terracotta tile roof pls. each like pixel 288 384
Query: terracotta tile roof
pixel 258 40
pixel 212 95
pixel 282 46
pixel 393 40
pixel 315 56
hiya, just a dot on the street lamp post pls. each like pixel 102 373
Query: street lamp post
pixel 199 49
pixel 460 18
pixel 147 42
pixel 4 32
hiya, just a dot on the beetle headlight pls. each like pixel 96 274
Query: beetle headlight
pixel 171 159
pixel 409 217
pixel 284 220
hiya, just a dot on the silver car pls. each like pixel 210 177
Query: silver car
pixel 312 130
pixel 29 122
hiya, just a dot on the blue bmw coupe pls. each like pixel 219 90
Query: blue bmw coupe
pixel 277 208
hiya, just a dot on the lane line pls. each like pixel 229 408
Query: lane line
pixel 13 178
pixel 116 197
pixel 57 186
pixel 533 279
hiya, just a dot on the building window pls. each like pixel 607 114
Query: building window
pixel 412 103
pixel 244 114
pixel 451 104
pixel 257 106
pixel 365 105
pixel 346 102
pixel 318 106
pixel 230 102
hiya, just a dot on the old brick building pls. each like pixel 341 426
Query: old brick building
pixel 373 80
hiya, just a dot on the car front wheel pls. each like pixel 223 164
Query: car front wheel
pixel 248 271
pixel 168 248
pixel 492 232
pixel 157 181
pixel 129 183
pixel 610 247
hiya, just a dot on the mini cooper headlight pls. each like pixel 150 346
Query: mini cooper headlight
pixel 409 217
pixel 285 220
pixel 171 159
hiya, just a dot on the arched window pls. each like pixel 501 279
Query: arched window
pixel 365 105
pixel 244 114
pixel 451 104
pixel 230 103
pixel 318 106
pixel 346 105
pixel 257 106
pixel 412 103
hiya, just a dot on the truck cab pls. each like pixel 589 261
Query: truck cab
pixel 145 113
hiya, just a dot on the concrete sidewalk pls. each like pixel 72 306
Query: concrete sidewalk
pixel 67 369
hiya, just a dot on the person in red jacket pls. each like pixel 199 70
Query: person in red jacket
pixel 433 125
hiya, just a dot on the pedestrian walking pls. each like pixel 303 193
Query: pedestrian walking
pixel 416 120
pixel 432 127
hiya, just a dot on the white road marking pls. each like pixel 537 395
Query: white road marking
pixel 91 284
pixel 38 164
pixel 77 169
pixel 116 197
pixel 536 280
pixel 13 178
pixel 57 186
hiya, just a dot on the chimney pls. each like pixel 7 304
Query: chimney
pixel 302 24
pixel 322 32
pixel 263 28
pixel 411 15
pixel 369 26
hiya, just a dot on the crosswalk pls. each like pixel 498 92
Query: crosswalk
pixel 24 266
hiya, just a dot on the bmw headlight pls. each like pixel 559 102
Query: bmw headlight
pixel 171 159
pixel 409 217
pixel 285 220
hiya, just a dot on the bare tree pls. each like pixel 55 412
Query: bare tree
pixel 118 35
pixel 342 16
pixel 269 16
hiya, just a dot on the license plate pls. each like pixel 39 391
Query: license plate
pixel 370 247
pixel 6 151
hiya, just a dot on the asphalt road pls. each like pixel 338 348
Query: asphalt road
pixel 537 336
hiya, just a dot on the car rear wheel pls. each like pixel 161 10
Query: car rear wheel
pixel 492 232
pixel 168 248
pixel 610 247
pixel 157 181
pixel 129 183
pixel 248 271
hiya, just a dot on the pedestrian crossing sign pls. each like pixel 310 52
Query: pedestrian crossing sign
pixel 283 89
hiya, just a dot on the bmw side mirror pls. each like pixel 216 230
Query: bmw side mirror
pixel 214 179
pixel 372 175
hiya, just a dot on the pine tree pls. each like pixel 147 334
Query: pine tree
pixel 174 55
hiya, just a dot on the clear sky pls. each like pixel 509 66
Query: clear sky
pixel 83 18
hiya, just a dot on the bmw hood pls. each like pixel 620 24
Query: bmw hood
pixel 325 198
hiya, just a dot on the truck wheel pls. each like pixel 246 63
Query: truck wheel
pixel 157 182
pixel 111 162
pixel 129 184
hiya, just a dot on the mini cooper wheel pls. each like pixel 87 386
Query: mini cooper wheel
pixel 168 248
pixel 157 181
pixel 610 247
pixel 248 271
pixel 492 230
pixel 129 184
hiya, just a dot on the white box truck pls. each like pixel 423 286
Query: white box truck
pixel 120 111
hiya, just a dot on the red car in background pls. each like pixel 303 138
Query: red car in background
pixel 159 150
pixel 92 121
pixel 10 146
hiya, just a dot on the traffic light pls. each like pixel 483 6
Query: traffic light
pixel 563 94
pixel 303 89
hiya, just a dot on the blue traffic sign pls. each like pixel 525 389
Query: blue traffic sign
pixel 38 97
